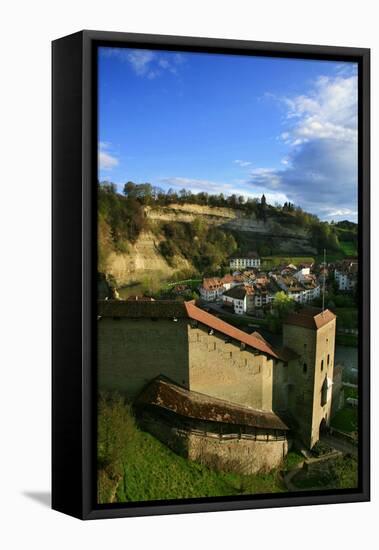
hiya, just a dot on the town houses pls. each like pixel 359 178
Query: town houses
pixel 248 289
pixel 214 287
pixel 346 273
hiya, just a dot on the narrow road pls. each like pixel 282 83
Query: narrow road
pixel 341 445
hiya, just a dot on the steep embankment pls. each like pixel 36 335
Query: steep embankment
pixel 143 259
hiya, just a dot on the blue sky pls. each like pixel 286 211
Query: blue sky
pixel 231 124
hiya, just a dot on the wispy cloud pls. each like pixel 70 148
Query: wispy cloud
pixel 147 63
pixel 239 187
pixel 242 163
pixel 106 160
pixel 320 172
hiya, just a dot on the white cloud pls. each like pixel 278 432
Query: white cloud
pixel 106 160
pixel 329 111
pixel 141 61
pixel 146 63
pixel 239 187
pixel 320 171
pixel 242 163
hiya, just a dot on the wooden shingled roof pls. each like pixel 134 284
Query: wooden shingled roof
pixel 167 309
pixel 163 393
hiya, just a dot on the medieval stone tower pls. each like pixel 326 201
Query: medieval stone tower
pixel 311 335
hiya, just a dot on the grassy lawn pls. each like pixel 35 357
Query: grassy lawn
pixel 192 283
pixel 346 419
pixel 349 248
pixel 151 471
pixel 292 459
pixel 154 472
pixel 272 261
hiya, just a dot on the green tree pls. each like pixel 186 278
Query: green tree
pixel 283 304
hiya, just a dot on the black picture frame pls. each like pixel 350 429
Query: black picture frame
pixel 74 152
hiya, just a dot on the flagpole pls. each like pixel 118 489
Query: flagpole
pixel 323 283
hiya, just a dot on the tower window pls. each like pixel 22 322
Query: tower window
pixel 324 393
pixel 322 364
pixel 304 368
pixel 328 360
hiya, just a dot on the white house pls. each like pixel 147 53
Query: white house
pixel 345 275
pixel 211 289
pixel 302 273
pixel 251 259
pixel 236 298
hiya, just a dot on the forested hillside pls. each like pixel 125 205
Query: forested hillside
pixel 148 232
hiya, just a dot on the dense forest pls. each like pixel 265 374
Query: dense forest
pixel 206 247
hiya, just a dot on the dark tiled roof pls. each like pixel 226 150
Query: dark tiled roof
pixel 237 292
pixel 162 309
pixel 312 318
pixel 249 255
pixel 163 393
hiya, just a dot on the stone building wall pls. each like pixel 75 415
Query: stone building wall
pixel 243 455
pixel 225 370
pixel 138 350
pixel 131 352
pixel 323 370
pixel 307 377
pixel 301 376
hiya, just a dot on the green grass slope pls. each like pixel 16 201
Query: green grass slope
pixel 153 472
pixel 133 466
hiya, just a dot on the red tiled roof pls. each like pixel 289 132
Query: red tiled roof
pixel 163 393
pixel 227 278
pixel 211 321
pixel 211 283
pixel 310 318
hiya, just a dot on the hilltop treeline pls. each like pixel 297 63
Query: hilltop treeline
pixel 125 217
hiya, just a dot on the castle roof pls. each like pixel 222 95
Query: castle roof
pixel 312 318
pixel 135 309
pixel 163 393
pixel 171 309
pixel 217 324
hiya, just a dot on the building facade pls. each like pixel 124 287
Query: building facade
pixel 244 262
pixel 139 342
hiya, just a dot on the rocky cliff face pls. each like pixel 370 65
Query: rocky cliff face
pixel 143 259
pixel 225 217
